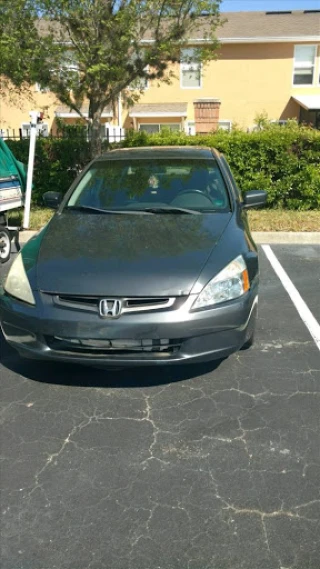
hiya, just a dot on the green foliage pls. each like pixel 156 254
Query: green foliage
pixel 92 50
pixel 283 160
pixel 16 68
pixel 261 120
pixel 75 130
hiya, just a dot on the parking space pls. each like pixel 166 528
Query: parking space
pixel 201 467
pixel 302 263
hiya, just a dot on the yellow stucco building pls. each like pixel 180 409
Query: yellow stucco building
pixel 268 62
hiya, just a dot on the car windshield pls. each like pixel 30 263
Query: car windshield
pixel 157 186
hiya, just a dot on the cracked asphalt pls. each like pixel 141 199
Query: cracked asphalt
pixel 203 467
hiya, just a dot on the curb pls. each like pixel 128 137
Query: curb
pixel 287 237
pixel 280 237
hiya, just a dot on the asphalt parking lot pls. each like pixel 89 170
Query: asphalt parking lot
pixel 203 467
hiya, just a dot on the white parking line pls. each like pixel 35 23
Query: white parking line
pixel 303 310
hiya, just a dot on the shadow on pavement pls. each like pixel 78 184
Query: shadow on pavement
pixel 85 376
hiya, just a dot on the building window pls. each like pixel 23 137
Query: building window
pixel 39 89
pixel 158 127
pixel 190 69
pixel 139 84
pixel 136 61
pixel 304 64
pixel 68 72
pixel 69 69
pixel 225 125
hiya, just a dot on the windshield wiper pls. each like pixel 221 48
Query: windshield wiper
pixel 144 211
pixel 171 209
pixel 91 209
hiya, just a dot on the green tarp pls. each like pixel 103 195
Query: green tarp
pixel 9 166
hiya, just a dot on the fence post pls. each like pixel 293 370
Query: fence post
pixel 32 147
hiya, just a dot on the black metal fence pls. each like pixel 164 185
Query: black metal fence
pixel 110 135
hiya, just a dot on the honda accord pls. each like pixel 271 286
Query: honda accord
pixel 147 260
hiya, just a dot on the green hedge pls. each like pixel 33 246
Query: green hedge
pixel 284 161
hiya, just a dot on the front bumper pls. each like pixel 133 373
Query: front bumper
pixel 165 337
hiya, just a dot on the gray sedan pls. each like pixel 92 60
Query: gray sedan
pixel 147 260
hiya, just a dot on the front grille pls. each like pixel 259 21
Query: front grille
pixel 146 302
pixel 105 347
pixel 134 304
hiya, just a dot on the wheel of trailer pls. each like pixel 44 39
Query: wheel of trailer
pixel 5 245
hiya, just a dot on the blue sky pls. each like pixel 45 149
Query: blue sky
pixel 265 5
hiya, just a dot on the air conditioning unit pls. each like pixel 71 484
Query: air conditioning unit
pixel 190 128
pixel 25 129
pixel 42 129
pixel 112 133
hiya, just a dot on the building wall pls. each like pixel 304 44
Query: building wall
pixel 15 111
pixel 249 79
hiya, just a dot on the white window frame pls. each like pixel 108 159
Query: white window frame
pixel 145 87
pixel 159 125
pixel 71 65
pixel 133 57
pixel 39 89
pixel 68 67
pixel 312 66
pixel 226 122
pixel 189 66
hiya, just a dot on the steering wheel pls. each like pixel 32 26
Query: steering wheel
pixel 185 193
pixel 191 192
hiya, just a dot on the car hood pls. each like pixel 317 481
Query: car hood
pixel 126 255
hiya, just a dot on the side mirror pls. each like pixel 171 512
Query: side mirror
pixel 52 199
pixel 255 198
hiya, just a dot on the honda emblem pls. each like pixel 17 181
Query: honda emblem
pixel 110 308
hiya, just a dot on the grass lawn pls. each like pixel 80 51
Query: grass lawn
pixel 260 220
pixel 284 220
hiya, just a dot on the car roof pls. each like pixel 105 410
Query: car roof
pixel 161 152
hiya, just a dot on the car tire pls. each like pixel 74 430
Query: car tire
pixel 5 245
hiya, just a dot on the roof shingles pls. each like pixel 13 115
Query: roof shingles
pixel 269 25
pixel 241 26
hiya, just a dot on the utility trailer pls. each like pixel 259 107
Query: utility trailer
pixel 12 187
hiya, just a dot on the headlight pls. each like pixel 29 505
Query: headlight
pixel 230 283
pixel 17 283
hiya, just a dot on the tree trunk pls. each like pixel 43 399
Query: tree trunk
pixel 95 133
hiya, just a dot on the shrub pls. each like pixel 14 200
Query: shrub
pixel 283 160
